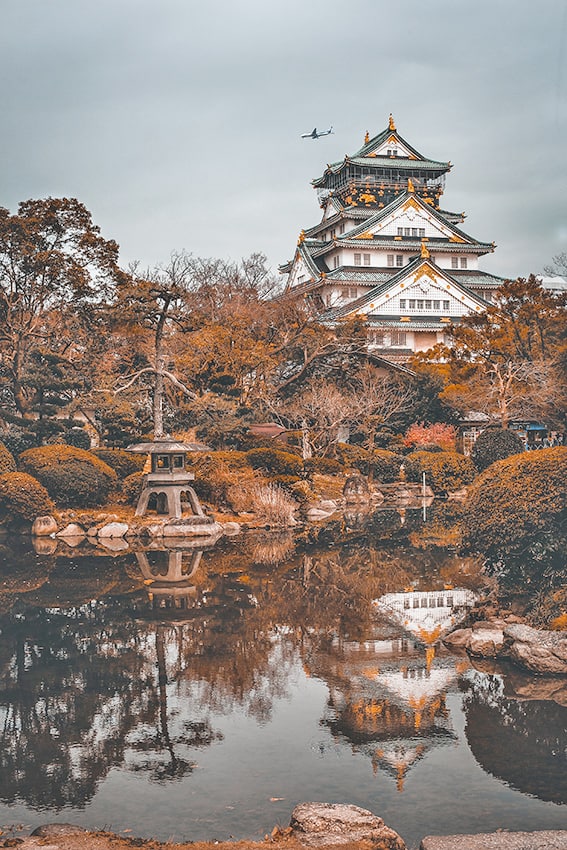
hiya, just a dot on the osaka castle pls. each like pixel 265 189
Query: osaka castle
pixel 386 250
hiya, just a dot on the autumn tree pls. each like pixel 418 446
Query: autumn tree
pixel 506 360
pixel 56 270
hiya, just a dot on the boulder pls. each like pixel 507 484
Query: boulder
pixel 538 650
pixel 356 489
pixel 458 638
pixel 71 530
pixel 231 528
pixel 547 839
pixel 113 529
pixel 51 830
pixel 486 640
pixel 317 824
pixel 43 526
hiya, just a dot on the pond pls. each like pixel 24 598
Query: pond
pixel 190 694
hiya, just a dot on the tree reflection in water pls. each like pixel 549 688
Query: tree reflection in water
pixel 176 639
pixel 522 741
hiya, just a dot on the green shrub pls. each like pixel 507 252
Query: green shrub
pixel 323 465
pixel 73 477
pixel 495 444
pixel 7 462
pixel 132 487
pixel 275 462
pixel 516 514
pixel 77 437
pixel 122 462
pixel 384 466
pixel 22 497
pixel 17 440
pixel 233 459
pixel 445 472
pixel 351 455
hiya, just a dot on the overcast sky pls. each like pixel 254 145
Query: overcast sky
pixel 178 123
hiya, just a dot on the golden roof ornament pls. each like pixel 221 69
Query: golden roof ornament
pixel 301 237
pixel 367 138
pixel 391 125
pixel 411 187
pixel 425 255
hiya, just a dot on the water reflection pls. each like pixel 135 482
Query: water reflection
pixel 388 694
pixel 136 663
pixel 517 730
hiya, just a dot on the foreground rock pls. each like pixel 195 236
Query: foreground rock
pixel 544 840
pixel 537 650
pixel 318 824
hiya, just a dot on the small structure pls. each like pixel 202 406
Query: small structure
pixel 168 480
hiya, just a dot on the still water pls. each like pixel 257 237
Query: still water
pixel 191 694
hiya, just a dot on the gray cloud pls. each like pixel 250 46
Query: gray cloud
pixel 177 122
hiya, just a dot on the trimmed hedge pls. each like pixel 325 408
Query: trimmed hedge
pixel 385 466
pixel 516 513
pixel 275 462
pixel 22 497
pixel 323 465
pixel 495 444
pixel 132 487
pixel 445 472
pixel 7 462
pixel 122 462
pixel 73 477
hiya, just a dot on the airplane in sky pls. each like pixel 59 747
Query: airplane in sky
pixel 315 135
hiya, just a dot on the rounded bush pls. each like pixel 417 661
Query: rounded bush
pixel 22 497
pixel 7 462
pixel 73 477
pixel 132 487
pixel 323 465
pixel 17 440
pixel 445 472
pixel 77 437
pixel 275 462
pixel 122 462
pixel 350 455
pixel 516 512
pixel 495 444
pixel 385 466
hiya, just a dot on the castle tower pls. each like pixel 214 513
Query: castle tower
pixel 385 249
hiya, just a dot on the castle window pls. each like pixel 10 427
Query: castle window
pixel 335 262
pixel 463 262
pixel 377 337
pixel 342 228
pixel 445 305
pixel 398 338
pixel 412 303
pixel 407 231
pixel 420 303
pixel 454 262
pixel 400 231
pixel 402 303
pixel 366 259
pixel 390 259
pixel 414 231
pixel 399 259
pixel 357 259
pixel 436 305
pixel 428 305
pixel 422 231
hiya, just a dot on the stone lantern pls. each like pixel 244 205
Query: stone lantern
pixel 168 479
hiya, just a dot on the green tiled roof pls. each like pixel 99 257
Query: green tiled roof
pixel 380 162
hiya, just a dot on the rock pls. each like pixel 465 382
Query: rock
pixel 231 528
pixel 328 505
pixel 538 650
pixel 317 824
pixel 460 637
pixel 113 529
pixel 486 640
pixel 71 530
pixel 356 489
pixel 548 839
pixel 43 526
pixel 192 526
pixel 50 830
